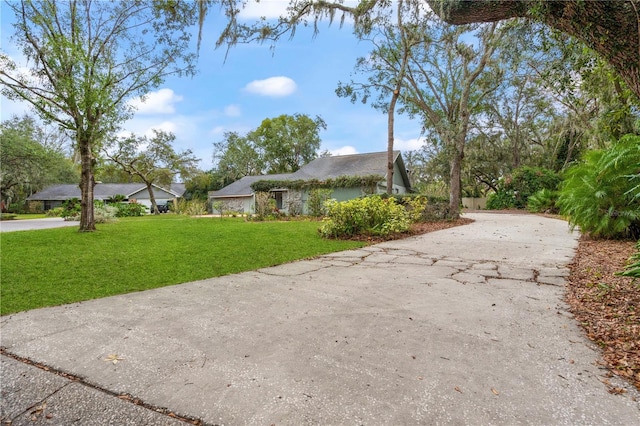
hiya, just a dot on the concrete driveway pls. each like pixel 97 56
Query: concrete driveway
pixel 461 326
pixel 33 224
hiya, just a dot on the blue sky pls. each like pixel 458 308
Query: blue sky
pixel 256 82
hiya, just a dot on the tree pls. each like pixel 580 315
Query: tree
pixel 611 28
pixel 287 142
pixel 199 185
pixel 445 89
pixel 236 156
pixel 152 160
pixel 387 66
pixel 31 158
pixel 87 59
pixel 279 145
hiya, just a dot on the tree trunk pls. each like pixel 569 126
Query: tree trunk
pixel 87 183
pixel 610 27
pixel 152 198
pixel 390 124
pixel 455 181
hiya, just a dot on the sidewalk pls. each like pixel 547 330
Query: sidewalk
pixel 461 326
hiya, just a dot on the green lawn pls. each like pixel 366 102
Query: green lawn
pixel 57 266
pixel 30 216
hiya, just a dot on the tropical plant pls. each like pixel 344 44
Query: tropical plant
pixel 633 267
pixel 601 195
pixel 543 201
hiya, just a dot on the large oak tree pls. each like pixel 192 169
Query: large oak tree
pixel 611 28
pixel 87 58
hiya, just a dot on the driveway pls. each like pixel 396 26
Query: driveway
pixel 32 224
pixel 460 326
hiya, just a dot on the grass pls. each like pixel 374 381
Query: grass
pixel 57 266
pixel 30 216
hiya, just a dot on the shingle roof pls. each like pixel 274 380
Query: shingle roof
pixel 242 187
pixel 374 163
pixel 100 192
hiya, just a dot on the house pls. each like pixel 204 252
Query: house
pixel 291 193
pixel 55 195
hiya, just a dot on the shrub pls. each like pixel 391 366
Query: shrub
pixel 218 206
pixel 35 207
pixel 514 190
pixel 633 267
pixel 503 199
pixel 194 207
pixel 543 201
pixel 71 209
pixel 56 212
pixel 317 200
pixel 364 216
pixel 129 209
pixel 295 208
pixel 415 207
pixel 103 213
pixel 601 194
pixel 265 205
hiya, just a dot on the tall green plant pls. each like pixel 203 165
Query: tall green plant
pixel 317 199
pixel 633 267
pixel 601 195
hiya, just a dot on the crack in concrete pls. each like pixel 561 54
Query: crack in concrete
pixel 76 379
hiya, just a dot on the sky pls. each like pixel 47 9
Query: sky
pixel 255 82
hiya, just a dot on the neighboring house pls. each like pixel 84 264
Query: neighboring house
pixel 54 196
pixel 240 197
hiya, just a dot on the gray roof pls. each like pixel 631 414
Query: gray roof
pixel 361 165
pixel 374 163
pixel 100 192
pixel 242 187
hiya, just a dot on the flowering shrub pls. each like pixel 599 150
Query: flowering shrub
pixel 364 216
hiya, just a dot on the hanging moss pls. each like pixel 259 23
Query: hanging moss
pixel 369 181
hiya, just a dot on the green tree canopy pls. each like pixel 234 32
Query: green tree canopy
pixel 287 142
pixel 87 58
pixel 279 145
pixel 152 160
pixel 30 160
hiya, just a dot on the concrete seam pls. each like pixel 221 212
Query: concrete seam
pixel 123 396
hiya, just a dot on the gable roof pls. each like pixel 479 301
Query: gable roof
pixel 242 187
pixel 359 165
pixel 100 192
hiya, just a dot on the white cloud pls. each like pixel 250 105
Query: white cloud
pixel 273 86
pixel 161 102
pixel 232 111
pixel 166 126
pixel 345 150
pixel 408 144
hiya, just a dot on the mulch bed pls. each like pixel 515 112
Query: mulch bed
pixel 606 305
pixel 416 229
